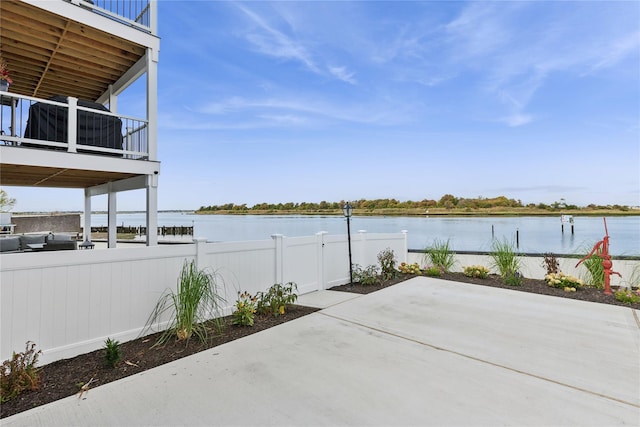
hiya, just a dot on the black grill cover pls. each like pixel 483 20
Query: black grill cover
pixel 49 123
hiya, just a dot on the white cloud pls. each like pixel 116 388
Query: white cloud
pixel 342 74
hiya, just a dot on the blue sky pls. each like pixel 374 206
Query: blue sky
pixel 310 101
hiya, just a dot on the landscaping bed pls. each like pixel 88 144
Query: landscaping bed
pixel 528 285
pixel 65 378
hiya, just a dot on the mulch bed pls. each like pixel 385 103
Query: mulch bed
pixel 64 378
pixel 528 285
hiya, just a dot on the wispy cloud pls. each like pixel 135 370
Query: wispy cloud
pixel 267 39
pixel 514 48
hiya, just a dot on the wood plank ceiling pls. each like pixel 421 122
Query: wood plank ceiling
pixel 48 55
pixel 38 176
pixel 51 55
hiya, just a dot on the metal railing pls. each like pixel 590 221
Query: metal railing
pixel 38 123
pixel 136 13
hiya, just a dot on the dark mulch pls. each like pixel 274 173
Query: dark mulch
pixel 528 285
pixel 60 379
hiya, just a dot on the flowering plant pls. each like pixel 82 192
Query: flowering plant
pixel 563 281
pixel 4 72
pixel 246 306
pixel 478 271
pixel 410 268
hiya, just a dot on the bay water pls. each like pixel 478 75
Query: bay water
pixel 531 234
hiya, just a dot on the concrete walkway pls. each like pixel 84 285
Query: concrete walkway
pixel 423 352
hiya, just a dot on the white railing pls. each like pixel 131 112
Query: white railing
pixel 64 125
pixel 70 305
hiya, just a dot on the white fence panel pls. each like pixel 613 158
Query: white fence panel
pixel 336 261
pixel 301 263
pixel 239 267
pixel 68 303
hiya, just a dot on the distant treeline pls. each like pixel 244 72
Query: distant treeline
pixel 447 201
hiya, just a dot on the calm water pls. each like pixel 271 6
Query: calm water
pixel 536 234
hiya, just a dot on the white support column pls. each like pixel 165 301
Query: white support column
pixel 112 235
pixel 152 210
pixel 279 244
pixel 86 227
pixel 113 100
pixel 72 124
pixel 153 16
pixel 152 102
pixel 320 257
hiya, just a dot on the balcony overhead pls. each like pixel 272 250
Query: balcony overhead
pixel 50 54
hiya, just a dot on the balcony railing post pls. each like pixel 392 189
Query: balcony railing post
pixel 72 124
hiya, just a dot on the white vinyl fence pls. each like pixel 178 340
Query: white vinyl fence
pixel 69 302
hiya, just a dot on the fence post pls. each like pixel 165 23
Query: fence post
pixel 405 252
pixel 279 260
pixel 200 252
pixel 320 259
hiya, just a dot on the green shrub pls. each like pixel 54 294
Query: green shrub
pixel 506 261
pixel 478 271
pixel 112 352
pixel 195 302
pixel 387 260
pixel 246 306
pixel 594 271
pixel 367 276
pixel 20 373
pixel 440 255
pixel 628 296
pixel 512 279
pixel 433 271
pixel 277 298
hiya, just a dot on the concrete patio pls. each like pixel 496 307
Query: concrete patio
pixel 423 352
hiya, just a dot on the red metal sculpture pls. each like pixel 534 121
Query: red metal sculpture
pixel 601 249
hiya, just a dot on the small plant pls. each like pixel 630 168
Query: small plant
pixel 440 255
pixel 195 302
pixel 277 298
pixel 478 271
pixel 20 373
pixel 433 271
pixel 112 352
pixel 506 262
pixel 595 272
pixel 387 260
pixel 410 268
pixel 367 276
pixel 628 296
pixel 551 264
pixel 563 281
pixel 512 279
pixel 246 306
